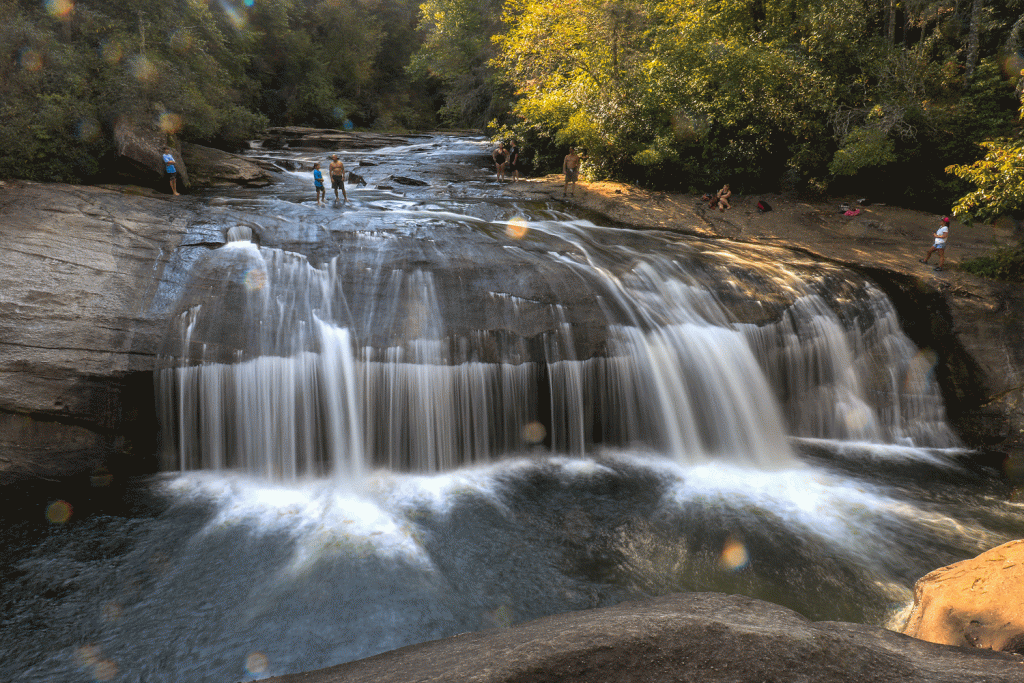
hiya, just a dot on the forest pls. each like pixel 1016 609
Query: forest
pixel 914 102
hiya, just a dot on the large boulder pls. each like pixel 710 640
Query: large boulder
pixel 977 602
pixel 215 168
pixel 142 148
pixel 689 637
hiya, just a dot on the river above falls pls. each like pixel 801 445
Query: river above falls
pixel 439 408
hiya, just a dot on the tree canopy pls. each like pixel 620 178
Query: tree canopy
pixel 877 97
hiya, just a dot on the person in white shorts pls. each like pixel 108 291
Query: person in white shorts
pixel 941 235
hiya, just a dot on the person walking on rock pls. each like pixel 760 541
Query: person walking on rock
pixel 171 170
pixel 337 171
pixel 941 235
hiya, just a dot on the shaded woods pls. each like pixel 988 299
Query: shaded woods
pixel 876 97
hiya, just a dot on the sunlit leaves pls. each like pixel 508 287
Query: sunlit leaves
pixel 999 178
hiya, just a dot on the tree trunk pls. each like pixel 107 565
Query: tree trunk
pixel 890 29
pixel 972 40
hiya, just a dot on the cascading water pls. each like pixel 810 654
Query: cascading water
pixel 448 410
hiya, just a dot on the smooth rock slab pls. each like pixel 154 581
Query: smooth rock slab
pixel 688 637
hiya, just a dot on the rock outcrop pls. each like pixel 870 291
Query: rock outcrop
pixel 298 137
pixel 80 271
pixel 142 148
pixel 216 168
pixel 977 602
pixel 684 638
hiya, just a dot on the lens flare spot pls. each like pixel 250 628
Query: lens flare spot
pixel 255 280
pixel 88 129
pixel 921 365
pixel 159 563
pixel 59 8
pixel 87 655
pixel 182 40
pixel 143 69
pixel 534 432
pixel 169 123
pixel 101 477
pixel 734 555
pixel 235 17
pixel 1012 66
pixel 112 611
pixel 248 3
pixel 59 512
pixel 257 663
pixel 517 228
pixel 111 51
pixel 502 617
pixel 30 60
pixel 858 419
pixel 105 670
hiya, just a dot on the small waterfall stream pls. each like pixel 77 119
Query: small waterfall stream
pixel 443 409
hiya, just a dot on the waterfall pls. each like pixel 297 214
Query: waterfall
pixel 290 370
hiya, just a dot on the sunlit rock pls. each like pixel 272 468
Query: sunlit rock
pixel 977 602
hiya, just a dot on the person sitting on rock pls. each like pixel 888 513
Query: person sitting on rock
pixel 723 198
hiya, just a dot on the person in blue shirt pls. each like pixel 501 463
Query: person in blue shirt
pixel 318 183
pixel 171 170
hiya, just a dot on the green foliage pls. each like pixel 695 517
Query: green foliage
pixel 456 51
pixel 999 178
pixel 213 73
pixel 1006 264
pixel 752 91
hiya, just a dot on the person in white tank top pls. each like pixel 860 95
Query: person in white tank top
pixel 941 235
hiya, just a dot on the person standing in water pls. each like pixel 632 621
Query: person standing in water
pixel 318 184
pixel 337 171
pixel 513 160
pixel 500 157
pixel 941 235
pixel 171 170
pixel 571 169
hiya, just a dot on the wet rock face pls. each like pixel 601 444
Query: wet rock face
pixel 974 603
pixel 690 637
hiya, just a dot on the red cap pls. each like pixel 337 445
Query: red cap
pixel 945 219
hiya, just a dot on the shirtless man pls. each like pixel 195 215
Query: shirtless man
pixel 337 170
pixel 500 158
pixel 571 169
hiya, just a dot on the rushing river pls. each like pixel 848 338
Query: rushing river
pixel 439 408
